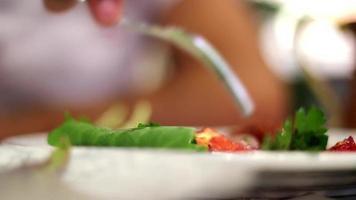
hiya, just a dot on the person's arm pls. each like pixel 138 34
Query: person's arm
pixel 195 96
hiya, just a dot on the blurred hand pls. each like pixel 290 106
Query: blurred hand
pixel 106 12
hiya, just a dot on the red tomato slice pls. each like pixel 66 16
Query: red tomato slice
pixel 346 145
pixel 219 143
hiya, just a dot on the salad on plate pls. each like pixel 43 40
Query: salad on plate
pixel 306 131
pixel 113 162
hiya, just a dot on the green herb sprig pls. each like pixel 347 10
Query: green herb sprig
pixel 307 132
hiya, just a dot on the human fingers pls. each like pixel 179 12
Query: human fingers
pixel 59 5
pixel 106 12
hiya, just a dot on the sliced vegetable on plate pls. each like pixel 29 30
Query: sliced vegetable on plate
pixel 346 145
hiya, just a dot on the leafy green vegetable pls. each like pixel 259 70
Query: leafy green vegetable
pixel 151 124
pixel 308 132
pixel 283 139
pixel 60 156
pixel 81 133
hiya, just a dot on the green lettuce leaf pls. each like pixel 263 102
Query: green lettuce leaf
pixel 81 133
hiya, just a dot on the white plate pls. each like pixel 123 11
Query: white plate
pixel 157 174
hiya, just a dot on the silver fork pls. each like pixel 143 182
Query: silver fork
pixel 198 47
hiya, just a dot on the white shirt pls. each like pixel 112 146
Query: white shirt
pixel 68 58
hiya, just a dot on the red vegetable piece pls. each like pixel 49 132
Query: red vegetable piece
pixel 346 145
pixel 216 141
pixel 222 144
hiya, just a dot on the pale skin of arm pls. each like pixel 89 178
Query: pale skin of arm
pixel 193 96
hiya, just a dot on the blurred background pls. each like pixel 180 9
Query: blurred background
pixel 55 58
